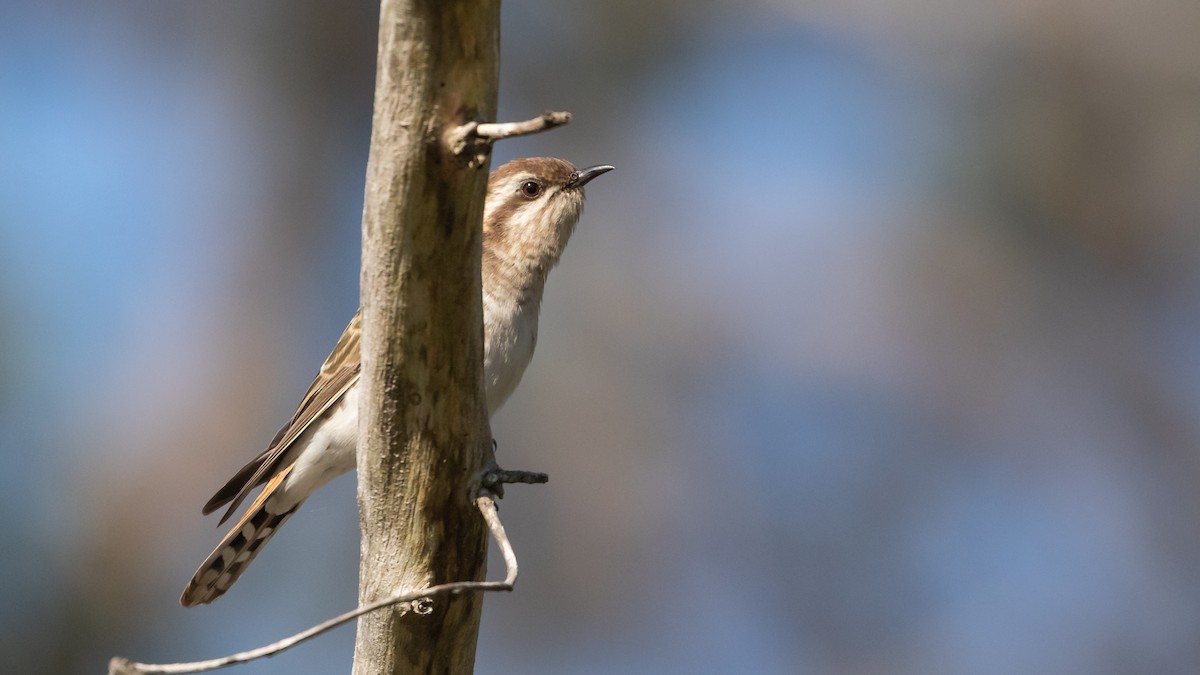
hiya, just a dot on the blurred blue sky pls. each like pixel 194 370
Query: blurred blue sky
pixel 876 354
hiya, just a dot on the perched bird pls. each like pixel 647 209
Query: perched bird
pixel 531 209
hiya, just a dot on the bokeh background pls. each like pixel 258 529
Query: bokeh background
pixel 877 354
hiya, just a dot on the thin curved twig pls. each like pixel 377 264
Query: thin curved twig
pixel 122 666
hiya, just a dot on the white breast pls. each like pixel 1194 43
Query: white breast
pixel 326 449
pixel 510 334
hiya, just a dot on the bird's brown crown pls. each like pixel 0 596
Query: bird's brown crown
pixel 531 209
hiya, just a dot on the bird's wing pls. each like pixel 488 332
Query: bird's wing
pixel 339 371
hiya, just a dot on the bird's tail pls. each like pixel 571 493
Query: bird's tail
pixel 236 551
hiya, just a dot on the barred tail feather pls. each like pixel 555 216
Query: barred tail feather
pixel 231 557
pixel 237 550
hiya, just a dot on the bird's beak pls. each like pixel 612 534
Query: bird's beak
pixel 583 176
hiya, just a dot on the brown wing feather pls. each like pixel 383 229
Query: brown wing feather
pixel 232 486
pixel 338 372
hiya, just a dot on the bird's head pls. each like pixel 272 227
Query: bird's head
pixel 531 209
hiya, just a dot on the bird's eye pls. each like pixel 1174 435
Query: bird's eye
pixel 531 189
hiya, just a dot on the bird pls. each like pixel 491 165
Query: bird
pixel 530 211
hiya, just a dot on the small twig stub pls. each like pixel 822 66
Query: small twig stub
pixel 474 139
pixel 499 130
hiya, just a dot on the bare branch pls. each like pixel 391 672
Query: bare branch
pixel 423 418
pixel 487 507
pixel 476 137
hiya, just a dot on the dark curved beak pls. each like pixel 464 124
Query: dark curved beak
pixel 584 176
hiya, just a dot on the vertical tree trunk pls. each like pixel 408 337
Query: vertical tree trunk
pixel 423 424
